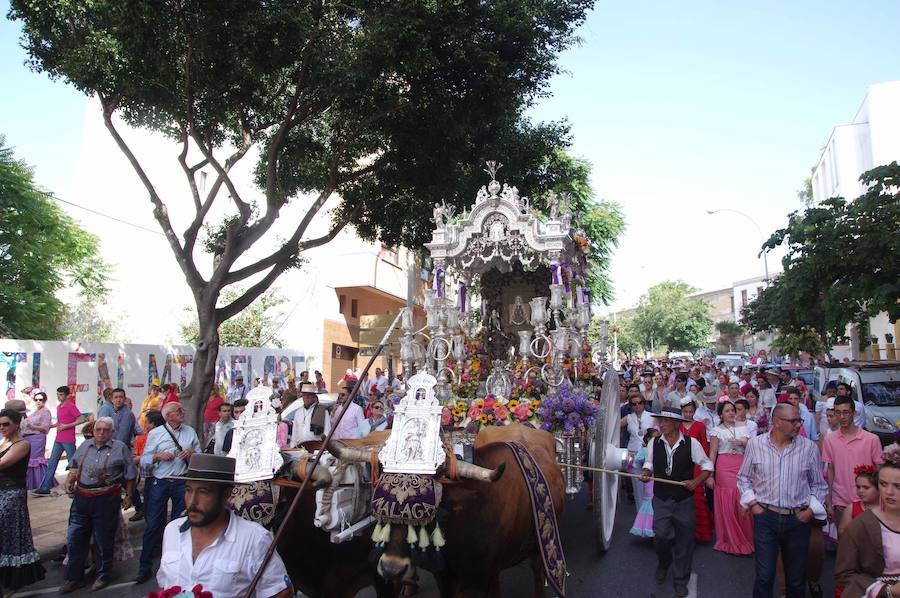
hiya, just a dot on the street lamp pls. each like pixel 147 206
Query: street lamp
pixel 761 238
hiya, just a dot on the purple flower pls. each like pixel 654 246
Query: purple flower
pixel 568 405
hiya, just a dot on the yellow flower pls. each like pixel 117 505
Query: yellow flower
pixel 461 404
pixel 457 412
pixel 512 404
pixel 479 403
pixel 483 419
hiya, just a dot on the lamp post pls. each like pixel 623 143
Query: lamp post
pixel 761 238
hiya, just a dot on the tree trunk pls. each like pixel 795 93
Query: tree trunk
pixel 203 377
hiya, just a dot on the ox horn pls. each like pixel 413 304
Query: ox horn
pixel 482 474
pixel 320 476
pixel 351 454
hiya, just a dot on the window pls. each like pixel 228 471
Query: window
pixel 342 303
pixel 732 303
pixel 354 308
pixel 758 291
pixel 744 297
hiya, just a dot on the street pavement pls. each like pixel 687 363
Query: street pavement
pixel 626 570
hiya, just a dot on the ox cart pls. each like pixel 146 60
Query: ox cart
pixel 503 379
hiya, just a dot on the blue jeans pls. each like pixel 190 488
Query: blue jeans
pixel 161 491
pixel 55 454
pixel 96 516
pixel 772 532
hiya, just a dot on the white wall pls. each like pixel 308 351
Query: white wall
pixel 91 367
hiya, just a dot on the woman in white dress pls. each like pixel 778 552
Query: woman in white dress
pixel 637 423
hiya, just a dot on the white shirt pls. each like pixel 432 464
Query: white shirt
pixel 673 399
pixel 302 420
pixel 767 398
pixel 728 436
pixel 698 455
pixel 709 418
pixel 398 386
pixel 380 383
pixel 751 425
pixel 637 429
pixel 227 566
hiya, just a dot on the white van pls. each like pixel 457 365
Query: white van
pixel 876 384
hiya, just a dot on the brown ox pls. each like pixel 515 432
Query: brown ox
pixel 489 526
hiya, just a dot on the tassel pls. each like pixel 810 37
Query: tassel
pixel 376 533
pixel 437 538
pixel 423 538
pixel 386 534
pixel 411 535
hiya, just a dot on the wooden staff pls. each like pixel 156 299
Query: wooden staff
pixel 621 473
pixel 317 455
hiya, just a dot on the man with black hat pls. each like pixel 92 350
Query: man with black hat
pixel 214 547
pixel 672 457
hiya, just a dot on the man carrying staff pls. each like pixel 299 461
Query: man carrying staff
pixel 672 457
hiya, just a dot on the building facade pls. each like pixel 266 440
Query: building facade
pixel 871 139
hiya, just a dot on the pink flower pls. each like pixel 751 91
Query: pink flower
pixel 474 412
pixel 522 413
pixel 489 402
pixel 445 416
pixel 501 411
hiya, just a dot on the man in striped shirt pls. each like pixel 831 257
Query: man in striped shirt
pixel 781 484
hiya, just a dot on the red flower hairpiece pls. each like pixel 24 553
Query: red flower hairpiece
pixel 863 469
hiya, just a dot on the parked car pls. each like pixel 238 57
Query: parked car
pixel 876 384
pixel 730 360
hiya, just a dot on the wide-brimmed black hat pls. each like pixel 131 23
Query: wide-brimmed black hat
pixel 670 413
pixel 204 467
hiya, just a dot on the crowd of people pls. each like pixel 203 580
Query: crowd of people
pixel 749 457
pixel 143 461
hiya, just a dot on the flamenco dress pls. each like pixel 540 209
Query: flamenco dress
pixel 20 563
pixel 703 527
pixel 643 521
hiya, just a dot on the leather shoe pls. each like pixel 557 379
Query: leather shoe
pixel 815 589
pixel 661 573
pixel 71 586
pixel 681 590
pixel 142 576
pixel 99 584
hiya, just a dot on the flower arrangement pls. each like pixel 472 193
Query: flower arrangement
pixel 489 411
pixel 176 592
pixel 583 243
pixel 567 410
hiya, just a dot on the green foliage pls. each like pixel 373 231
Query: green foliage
pixel 601 221
pixel 665 315
pixel 91 321
pixel 793 343
pixel 729 328
pixel 42 250
pixel 626 337
pixel 256 326
pixel 842 264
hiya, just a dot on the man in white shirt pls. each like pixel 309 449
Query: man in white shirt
pixel 673 399
pixel 380 381
pixel 311 421
pixel 399 384
pixel 213 546
pixel 673 457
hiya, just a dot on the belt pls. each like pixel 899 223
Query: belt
pixel 101 491
pixel 782 510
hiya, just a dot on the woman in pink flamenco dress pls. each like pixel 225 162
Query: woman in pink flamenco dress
pixel 643 521
pixel 734 533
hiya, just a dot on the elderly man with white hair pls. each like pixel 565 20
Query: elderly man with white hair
pixel 167 452
pixel 100 471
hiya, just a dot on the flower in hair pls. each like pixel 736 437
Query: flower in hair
pixel 863 469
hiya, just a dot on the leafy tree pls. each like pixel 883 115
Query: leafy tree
pixel 666 315
pixel 256 326
pixel 390 105
pixel 601 221
pixel 626 337
pixel 90 321
pixel 794 343
pixel 729 332
pixel 42 250
pixel 842 264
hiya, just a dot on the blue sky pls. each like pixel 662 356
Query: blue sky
pixel 680 106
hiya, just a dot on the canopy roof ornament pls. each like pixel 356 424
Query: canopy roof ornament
pixel 497 231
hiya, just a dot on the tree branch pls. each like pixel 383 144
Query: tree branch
pixel 159 209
